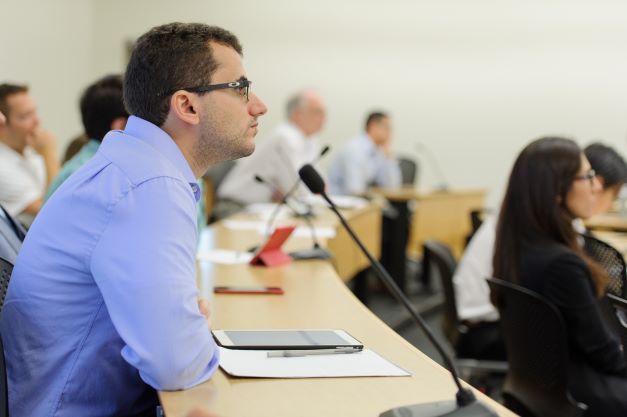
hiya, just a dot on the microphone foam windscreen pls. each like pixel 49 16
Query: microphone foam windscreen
pixel 312 179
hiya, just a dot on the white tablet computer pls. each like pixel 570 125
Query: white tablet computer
pixel 286 339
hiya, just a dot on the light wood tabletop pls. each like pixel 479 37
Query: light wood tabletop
pixel 315 297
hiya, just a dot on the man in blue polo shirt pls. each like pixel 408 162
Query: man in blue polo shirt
pixel 102 308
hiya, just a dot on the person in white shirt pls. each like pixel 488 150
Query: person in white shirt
pixel 472 293
pixel 28 154
pixel 279 156
pixel 366 160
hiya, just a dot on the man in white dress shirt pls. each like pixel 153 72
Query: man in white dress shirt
pixel 28 154
pixel 279 156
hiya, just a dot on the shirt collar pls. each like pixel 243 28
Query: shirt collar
pixel 165 145
pixel 368 143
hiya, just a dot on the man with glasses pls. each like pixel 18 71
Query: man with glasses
pixel 102 309
pixel 279 156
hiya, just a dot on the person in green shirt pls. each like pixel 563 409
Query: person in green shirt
pixel 102 110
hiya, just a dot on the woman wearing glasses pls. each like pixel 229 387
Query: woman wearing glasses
pixel 536 246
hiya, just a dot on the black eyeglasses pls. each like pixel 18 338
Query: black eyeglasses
pixel 241 86
pixel 590 176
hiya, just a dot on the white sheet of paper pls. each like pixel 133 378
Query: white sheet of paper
pixel 261 227
pixel 228 257
pixel 256 364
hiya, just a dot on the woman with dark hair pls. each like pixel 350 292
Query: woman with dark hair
pixel 536 247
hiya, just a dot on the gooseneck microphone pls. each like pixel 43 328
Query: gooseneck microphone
pixel 423 148
pixel 317 252
pixel 465 404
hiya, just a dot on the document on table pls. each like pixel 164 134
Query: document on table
pixel 322 232
pixel 257 364
pixel 223 256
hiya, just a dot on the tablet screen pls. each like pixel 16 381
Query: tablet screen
pixel 285 338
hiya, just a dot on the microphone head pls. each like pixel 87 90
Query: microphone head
pixel 312 179
pixel 324 150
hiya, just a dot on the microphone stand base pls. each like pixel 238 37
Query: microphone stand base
pixel 313 253
pixel 441 409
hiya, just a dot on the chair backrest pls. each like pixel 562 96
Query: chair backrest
pixel 6 268
pixel 409 170
pixel 619 306
pixel 537 351
pixel 439 255
pixel 218 172
pixel 611 260
pixel 4 395
pixel 11 236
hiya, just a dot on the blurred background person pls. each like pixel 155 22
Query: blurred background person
pixel 28 154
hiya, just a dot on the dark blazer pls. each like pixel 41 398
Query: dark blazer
pixel 597 372
pixel 11 236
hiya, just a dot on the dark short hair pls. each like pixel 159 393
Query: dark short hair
pixel 102 103
pixel 7 90
pixel 607 163
pixel 168 58
pixel 375 117
pixel 294 103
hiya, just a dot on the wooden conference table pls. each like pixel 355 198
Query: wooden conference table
pixel 440 215
pixel 315 297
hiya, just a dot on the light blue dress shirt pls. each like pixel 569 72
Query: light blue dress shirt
pixel 85 154
pixel 361 164
pixel 102 303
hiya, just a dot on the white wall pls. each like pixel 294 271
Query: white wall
pixel 474 80
pixel 47 44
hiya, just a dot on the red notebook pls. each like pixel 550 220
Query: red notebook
pixel 270 253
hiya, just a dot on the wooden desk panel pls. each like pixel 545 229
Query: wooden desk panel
pixel 608 221
pixel 440 215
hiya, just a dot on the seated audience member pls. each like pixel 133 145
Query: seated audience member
pixel 536 246
pixel 102 309
pixel 483 338
pixel 28 154
pixel 366 160
pixel 279 156
pixel 102 110
pixel 11 232
pixel 74 147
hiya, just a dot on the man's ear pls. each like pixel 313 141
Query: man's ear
pixel 183 106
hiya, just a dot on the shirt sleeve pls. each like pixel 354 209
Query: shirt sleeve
pixel 569 286
pixel 18 188
pixel 472 293
pixel 388 172
pixel 353 173
pixel 144 265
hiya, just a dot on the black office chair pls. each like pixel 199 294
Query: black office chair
pixel 438 255
pixel 476 220
pixel 537 351
pixel 219 209
pixel 409 170
pixel 619 306
pixel 611 260
pixel 6 268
